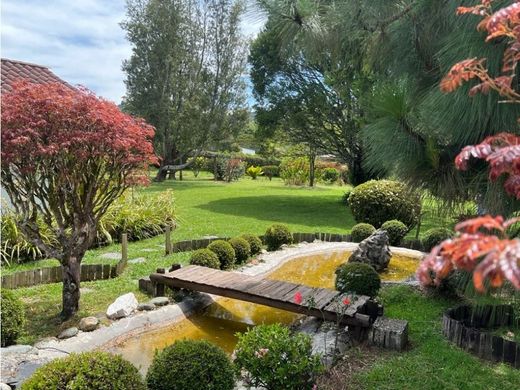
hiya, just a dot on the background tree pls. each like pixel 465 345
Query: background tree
pixel 184 75
pixel 66 156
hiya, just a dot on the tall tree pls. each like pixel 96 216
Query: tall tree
pixel 185 72
pixel 66 156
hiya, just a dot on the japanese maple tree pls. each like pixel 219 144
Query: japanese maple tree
pixel 482 245
pixel 66 156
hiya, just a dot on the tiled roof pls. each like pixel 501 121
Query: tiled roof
pixel 15 70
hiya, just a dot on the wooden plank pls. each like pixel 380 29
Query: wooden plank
pixel 45 275
pixel 106 271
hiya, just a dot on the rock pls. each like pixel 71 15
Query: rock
pixel 160 301
pixel 19 349
pixel 138 260
pixel 263 251
pixel 209 237
pixel 284 246
pixel 111 256
pixel 3 386
pixel 44 342
pixel 68 333
pixel 123 306
pixel 88 324
pixel 149 250
pixel 374 251
pixel 147 306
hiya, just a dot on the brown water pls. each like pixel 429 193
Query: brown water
pixel 223 319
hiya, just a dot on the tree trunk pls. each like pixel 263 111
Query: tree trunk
pixel 312 168
pixel 71 283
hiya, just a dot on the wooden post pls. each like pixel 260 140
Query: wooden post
pixel 159 288
pixel 168 240
pixel 124 248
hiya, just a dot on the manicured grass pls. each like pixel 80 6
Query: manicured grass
pixel 431 362
pixel 204 207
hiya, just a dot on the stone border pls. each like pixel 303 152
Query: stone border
pixel 470 331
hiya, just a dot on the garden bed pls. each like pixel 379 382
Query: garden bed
pixel 474 331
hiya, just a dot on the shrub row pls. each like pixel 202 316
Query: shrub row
pixel 138 214
pixel 267 355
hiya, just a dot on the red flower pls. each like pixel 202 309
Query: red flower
pixel 298 297
pixel 346 301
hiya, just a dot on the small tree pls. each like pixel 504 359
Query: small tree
pixel 66 156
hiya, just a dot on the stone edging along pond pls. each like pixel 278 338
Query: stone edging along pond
pixel 472 330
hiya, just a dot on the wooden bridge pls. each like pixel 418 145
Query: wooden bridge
pixel 323 303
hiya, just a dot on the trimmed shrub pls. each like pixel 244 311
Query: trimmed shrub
pixel 12 317
pixel 242 249
pixel 434 237
pixel 228 169
pixel 361 231
pixel 189 365
pixel 358 278
pixel 345 196
pixel 396 231
pixel 259 161
pixel 271 171
pixel 205 258
pixel 276 236
pixel 86 371
pixel 330 175
pixel 295 171
pixel 377 201
pixel 254 172
pixel 224 252
pixel 255 243
pixel 273 358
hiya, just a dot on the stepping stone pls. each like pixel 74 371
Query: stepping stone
pixel 149 250
pixel 111 256
pixel 85 290
pixel 160 301
pixel 19 349
pixel 88 324
pixel 68 333
pixel 137 260
pixel 146 306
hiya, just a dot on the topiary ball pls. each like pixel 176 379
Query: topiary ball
pixel 435 236
pixel 358 278
pixel 205 258
pixel 255 243
pixel 276 236
pixel 396 231
pixel 361 231
pixel 377 201
pixel 86 371
pixel 242 249
pixel 12 317
pixel 191 364
pixel 224 252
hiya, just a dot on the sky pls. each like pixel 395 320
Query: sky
pixel 79 40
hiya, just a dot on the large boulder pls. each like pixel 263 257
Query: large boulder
pixel 374 251
pixel 122 307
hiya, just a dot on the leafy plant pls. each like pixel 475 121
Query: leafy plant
pixel 275 359
pixel 255 243
pixel 242 249
pixel 346 196
pixel 254 172
pixel 86 371
pixel 295 171
pixel 197 164
pixel 206 258
pixel 483 246
pixel 224 252
pixel 191 364
pixel 271 171
pixel 377 201
pixel 435 236
pixel 361 231
pixel 228 169
pixel 357 278
pixel 330 175
pixel 12 318
pixel 276 236
pixel 396 231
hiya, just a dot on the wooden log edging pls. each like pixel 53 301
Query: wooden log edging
pixel 473 331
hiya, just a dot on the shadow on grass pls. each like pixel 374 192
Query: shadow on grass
pixel 309 211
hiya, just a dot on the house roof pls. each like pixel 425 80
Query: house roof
pixel 13 71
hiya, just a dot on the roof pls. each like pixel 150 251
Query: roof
pixel 13 71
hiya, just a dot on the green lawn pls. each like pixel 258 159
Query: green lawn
pixel 204 207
